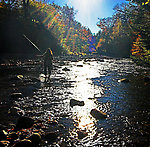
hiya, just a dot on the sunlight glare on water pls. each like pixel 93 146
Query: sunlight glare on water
pixel 84 89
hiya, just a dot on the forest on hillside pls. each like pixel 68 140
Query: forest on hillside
pixel 125 34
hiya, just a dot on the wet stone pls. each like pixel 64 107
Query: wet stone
pixel 66 69
pixel 74 102
pixel 24 122
pixel 4 143
pixel 23 143
pixel 35 139
pixel 123 80
pixel 3 135
pixel 80 65
pixel 50 136
pixel 98 114
pixel 81 134
pixel 13 135
pixel 147 79
pixel 15 111
pixel 15 96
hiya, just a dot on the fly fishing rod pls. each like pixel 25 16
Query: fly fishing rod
pixel 31 42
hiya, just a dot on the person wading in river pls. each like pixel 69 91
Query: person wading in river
pixel 48 59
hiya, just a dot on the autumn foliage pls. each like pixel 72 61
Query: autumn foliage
pixel 126 33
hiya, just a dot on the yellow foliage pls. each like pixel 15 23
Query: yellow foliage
pixel 146 2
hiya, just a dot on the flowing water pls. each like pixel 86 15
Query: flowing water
pixel 96 82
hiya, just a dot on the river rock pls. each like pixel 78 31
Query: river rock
pixel 23 143
pixel 123 80
pixel 74 102
pixel 35 139
pixel 4 143
pixel 3 127
pixel 3 134
pixel 98 114
pixel 147 79
pixel 13 135
pixel 66 69
pixel 82 134
pixel 50 136
pixel 101 60
pixel 24 122
pixel 15 111
pixel 15 96
pixel 79 65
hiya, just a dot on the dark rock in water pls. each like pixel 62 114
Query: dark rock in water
pixel 15 96
pixel 66 69
pixel 20 77
pixel 101 60
pixel 74 102
pixel 53 122
pixel 3 127
pixel 79 65
pixel 28 91
pixel 51 136
pixel 81 134
pixel 17 78
pixel 15 111
pixel 123 80
pixel 3 135
pixel 146 79
pixel 35 139
pixel 13 135
pixel 98 114
pixel 23 143
pixel 4 143
pixel 24 122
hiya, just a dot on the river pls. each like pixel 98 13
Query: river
pixel 96 82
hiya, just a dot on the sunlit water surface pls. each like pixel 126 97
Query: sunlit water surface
pixel 96 83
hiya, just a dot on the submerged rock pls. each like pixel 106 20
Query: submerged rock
pixel 98 114
pixel 51 136
pixel 23 143
pixel 15 111
pixel 3 135
pixel 66 69
pixel 13 135
pixel 35 139
pixel 80 65
pixel 4 143
pixel 74 102
pixel 146 79
pixel 24 122
pixel 123 80
pixel 82 134
pixel 15 96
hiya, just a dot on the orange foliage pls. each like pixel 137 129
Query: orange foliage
pixel 136 49
pixel 100 43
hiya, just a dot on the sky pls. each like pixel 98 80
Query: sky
pixel 88 11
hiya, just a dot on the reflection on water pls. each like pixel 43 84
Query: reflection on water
pixel 96 83
pixel 83 90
